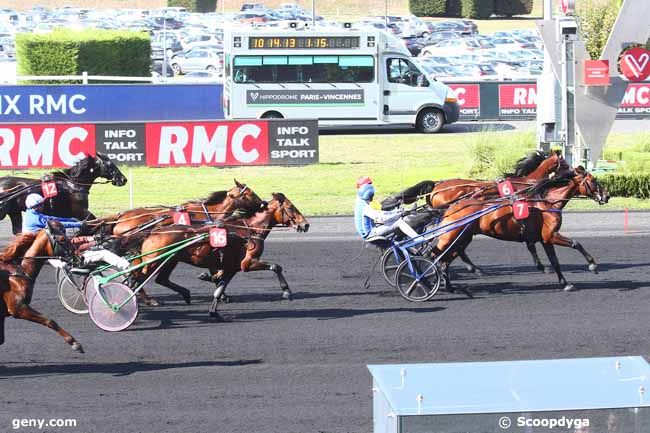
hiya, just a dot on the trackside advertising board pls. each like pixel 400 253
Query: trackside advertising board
pixel 162 144
pixel 110 103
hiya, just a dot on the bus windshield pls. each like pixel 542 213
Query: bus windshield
pixel 304 69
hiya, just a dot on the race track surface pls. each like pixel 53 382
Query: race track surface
pixel 300 366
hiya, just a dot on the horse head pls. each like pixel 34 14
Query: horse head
pixel 539 164
pixel 108 170
pixel 244 196
pixel 588 186
pixel 285 213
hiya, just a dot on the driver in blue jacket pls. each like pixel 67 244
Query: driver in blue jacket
pixel 370 222
pixel 35 220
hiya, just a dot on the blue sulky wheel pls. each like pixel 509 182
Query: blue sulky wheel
pixel 417 279
pixel 103 305
pixel 390 261
pixel 70 288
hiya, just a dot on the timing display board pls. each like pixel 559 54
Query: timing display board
pixel 303 42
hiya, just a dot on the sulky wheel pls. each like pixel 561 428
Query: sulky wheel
pixel 104 306
pixel 418 279
pixel 89 284
pixel 70 291
pixel 390 260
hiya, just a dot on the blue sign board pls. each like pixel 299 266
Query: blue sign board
pixel 110 103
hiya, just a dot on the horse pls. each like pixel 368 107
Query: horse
pixel 440 195
pixel 545 202
pixel 17 285
pixel 242 252
pixel 73 187
pixel 219 204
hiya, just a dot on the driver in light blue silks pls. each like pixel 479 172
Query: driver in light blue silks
pixel 371 223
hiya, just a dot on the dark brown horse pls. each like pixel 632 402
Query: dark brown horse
pixel 545 202
pixel 440 195
pixel 17 285
pixel 73 185
pixel 219 205
pixel 242 253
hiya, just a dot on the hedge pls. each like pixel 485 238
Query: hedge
pixel 194 5
pixel 627 185
pixel 71 52
pixel 428 8
pixel 477 9
pixel 509 8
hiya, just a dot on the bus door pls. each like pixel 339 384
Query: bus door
pixel 405 90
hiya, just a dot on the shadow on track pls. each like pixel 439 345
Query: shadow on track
pixel 117 369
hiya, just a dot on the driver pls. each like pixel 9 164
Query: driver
pixel 87 246
pixel 370 222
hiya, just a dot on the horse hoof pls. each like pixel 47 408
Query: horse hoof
pixel 593 267
pixel 153 303
pixel 470 269
pixel 187 298
pixel 287 295
pixel 570 288
pixel 205 276
pixel 217 318
pixel 467 293
pixel 478 272
pixel 225 299
pixel 77 347
pixel 547 270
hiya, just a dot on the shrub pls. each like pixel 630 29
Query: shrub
pixel 494 154
pixel 627 185
pixel 70 52
pixel 513 7
pixel 478 9
pixel 194 5
pixel 427 8
pixel 596 22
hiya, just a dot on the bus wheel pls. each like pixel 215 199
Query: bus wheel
pixel 272 115
pixel 430 120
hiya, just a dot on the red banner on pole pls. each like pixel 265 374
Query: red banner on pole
pixel 596 73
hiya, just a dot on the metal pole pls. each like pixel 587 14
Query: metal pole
pixel 313 13
pixel 386 15
pixel 548 9
pixel 164 65
pixel 130 189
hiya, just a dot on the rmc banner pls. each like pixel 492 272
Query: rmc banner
pixel 162 144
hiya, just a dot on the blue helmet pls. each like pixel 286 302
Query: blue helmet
pixel 366 192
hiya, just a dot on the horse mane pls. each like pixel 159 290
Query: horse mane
pixel 216 197
pixel 409 195
pixel 73 171
pixel 542 187
pixel 18 246
pixel 528 164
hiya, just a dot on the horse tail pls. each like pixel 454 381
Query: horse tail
pixel 18 247
pixel 409 195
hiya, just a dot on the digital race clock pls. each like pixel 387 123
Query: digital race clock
pixel 302 42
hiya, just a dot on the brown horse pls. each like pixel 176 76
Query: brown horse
pixel 545 202
pixel 440 195
pixel 17 285
pixel 219 205
pixel 242 253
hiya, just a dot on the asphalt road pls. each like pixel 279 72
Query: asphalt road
pixel 300 366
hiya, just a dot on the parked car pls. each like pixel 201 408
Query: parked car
pixel 197 60
pixel 512 44
pixel 464 27
pixel 200 77
pixel 456 47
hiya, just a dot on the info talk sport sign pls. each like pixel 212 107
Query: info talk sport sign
pixel 162 144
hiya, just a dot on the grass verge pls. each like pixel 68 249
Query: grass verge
pixel 394 161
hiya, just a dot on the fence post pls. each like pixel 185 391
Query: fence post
pixel 84 77
pixel 130 189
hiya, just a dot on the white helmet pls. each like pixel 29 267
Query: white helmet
pixel 33 200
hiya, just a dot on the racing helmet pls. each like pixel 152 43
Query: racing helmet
pixel 366 192
pixel 33 200
pixel 363 180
